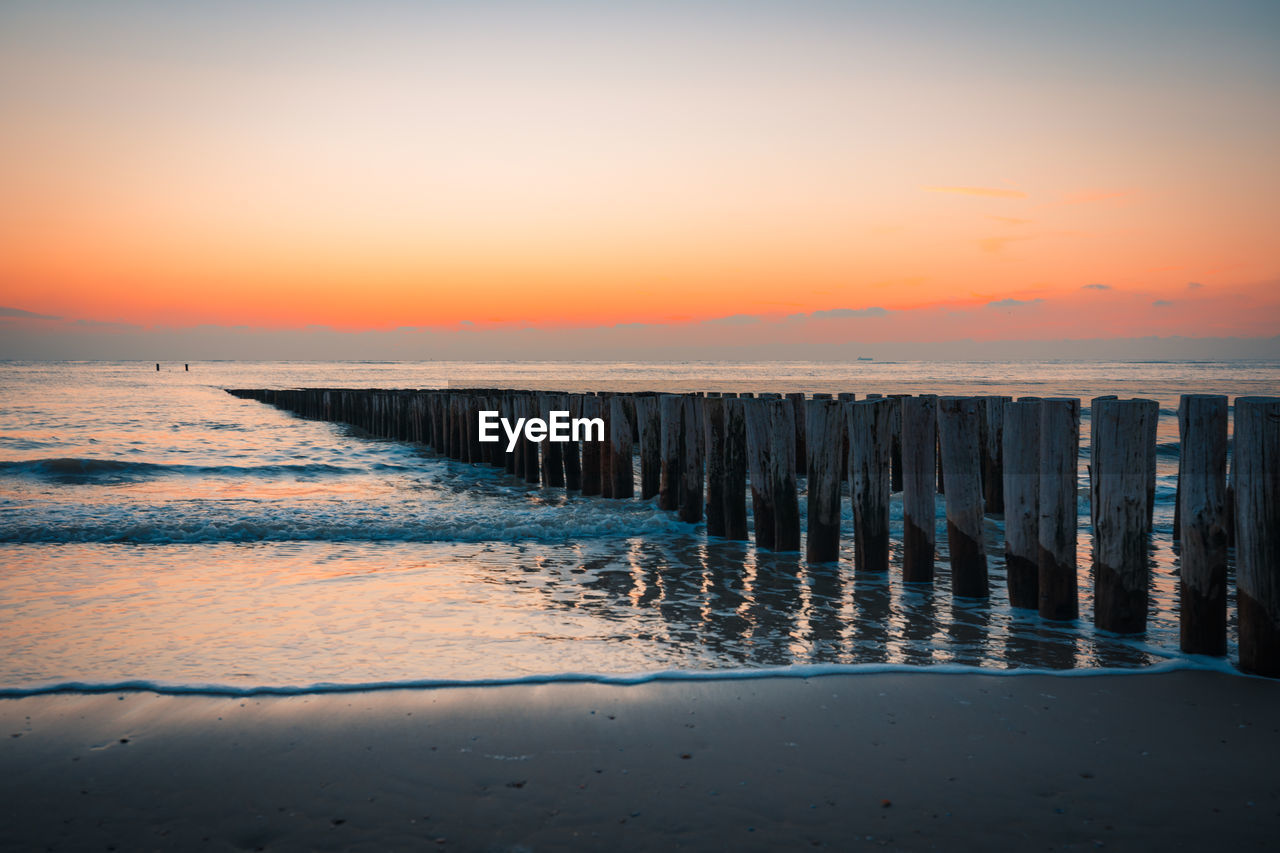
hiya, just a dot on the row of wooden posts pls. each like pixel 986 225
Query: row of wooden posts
pixel 698 454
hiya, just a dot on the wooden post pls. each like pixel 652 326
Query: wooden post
pixel 797 413
pixel 759 452
pixel 845 397
pixel 1118 450
pixel 919 420
pixel 474 405
pixel 993 454
pixel 824 425
pixel 441 414
pixel 1059 452
pixel 1257 482
pixel 896 428
pixel 592 450
pixel 671 409
pixel 532 449
pixel 735 470
pixel 713 421
pixel 870 455
pixel 782 471
pixel 1177 494
pixel 1093 496
pixel 511 411
pixel 691 493
pixel 958 426
pixel 620 447
pixel 552 451
pixel 649 422
pixel 572 451
pixel 1153 430
pixel 606 448
pixel 942 485
pixel 1202 494
pixel 1021 455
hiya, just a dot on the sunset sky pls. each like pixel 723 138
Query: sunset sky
pixel 988 170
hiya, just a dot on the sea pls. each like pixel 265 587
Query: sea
pixel 158 532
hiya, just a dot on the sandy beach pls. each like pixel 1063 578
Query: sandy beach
pixel 897 761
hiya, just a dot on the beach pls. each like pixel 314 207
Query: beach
pixel 901 761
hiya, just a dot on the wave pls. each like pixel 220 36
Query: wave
pixel 1192 663
pixel 81 470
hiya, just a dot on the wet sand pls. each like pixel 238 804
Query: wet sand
pixel 908 761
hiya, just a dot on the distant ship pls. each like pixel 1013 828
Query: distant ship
pixel 865 358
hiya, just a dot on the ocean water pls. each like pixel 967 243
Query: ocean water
pixel 155 529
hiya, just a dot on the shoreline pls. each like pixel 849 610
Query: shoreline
pixel 914 761
pixel 1193 663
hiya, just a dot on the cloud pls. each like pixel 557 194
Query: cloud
pixel 1161 303
pixel 1014 303
pixel 26 315
pixel 840 313
pixel 1194 285
pixel 733 320
pixel 465 323
pixel 1096 287
pixel 987 192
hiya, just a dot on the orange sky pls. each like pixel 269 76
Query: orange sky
pixel 379 167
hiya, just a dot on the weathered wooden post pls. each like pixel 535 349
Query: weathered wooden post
pixel 919 419
pixel 870 455
pixel 459 412
pixel 671 409
pixel 896 429
pixel 993 453
pixel 532 449
pixel 552 451
pixel 735 470
pixel 958 427
pixel 1153 430
pixel 782 472
pixel 797 413
pixel 1177 494
pixel 824 426
pixel 1231 492
pixel 474 405
pixel 1059 452
pixel 759 452
pixel 1118 450
pixel 649 422
pixel 942 485
pixel 1021 457
pixel 1202 494
pixel 606 448
pixel 572 451
pixel 691 492
pixel 713 423
pixel 1093 497
pixel 515 457
pixel 592 450
pixel 1257 481
pixel 440 413
pixel 620 447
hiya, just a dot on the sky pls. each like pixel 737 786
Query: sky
pixel 782 174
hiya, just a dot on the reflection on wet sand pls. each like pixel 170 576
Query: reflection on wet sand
pixel 741 606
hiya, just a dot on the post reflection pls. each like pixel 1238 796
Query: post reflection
pixel 712 603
